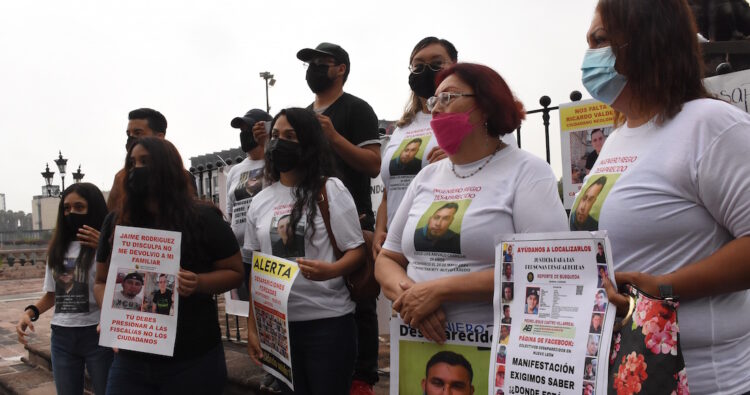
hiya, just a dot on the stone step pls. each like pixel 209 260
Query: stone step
pixel 25 379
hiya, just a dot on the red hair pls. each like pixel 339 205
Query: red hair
pixel 493 96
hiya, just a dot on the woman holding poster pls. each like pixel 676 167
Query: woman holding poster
pixel 69 288
pixel 320 312
pixel 158 194
pixel 437 261
pixel 677 207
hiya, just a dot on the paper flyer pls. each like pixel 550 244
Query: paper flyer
pixel 553 322
pixel 419 366
pixel 237 301
pixel 584 127
pixel 139 309
pixel 733 88
pixel 272 280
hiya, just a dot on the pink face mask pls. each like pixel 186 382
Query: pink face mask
pixel 450 129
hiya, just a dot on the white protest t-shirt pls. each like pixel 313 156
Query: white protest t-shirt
pixel 674 194
pixel 244 181
pixel 446 225
pixel 74 291
pixel 406 154
pixel 267 218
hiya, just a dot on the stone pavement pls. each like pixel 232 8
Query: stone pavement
pixel 15 367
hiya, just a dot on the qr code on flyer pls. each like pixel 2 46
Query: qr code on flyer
pixel 579 289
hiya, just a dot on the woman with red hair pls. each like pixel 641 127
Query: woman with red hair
pixel 438 258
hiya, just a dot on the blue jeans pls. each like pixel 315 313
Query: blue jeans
pixel 72 348
pixel 137 374
pixel 323 353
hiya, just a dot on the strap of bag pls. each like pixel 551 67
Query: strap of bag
pixel 326 214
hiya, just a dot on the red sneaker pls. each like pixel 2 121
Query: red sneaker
pixel 359 387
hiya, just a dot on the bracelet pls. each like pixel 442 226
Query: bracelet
pixel 35 310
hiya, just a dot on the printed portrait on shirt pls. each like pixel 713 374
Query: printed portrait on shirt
pixel 585 212
pixel 284 242
pixel 71 288
pixel 407 159
pixel 448 363
pixel 251 182
pixel 439 229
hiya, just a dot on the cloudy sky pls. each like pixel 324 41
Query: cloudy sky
pixel 72 70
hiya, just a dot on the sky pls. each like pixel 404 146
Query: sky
pixel 72 70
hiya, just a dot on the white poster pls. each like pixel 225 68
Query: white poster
pixel 419 366
pixel 553 322
pixel 732 88
pixel 272 280
pixel 139 310
pixel 584 127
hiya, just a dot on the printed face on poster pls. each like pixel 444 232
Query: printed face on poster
pixel 140 305
pixel 584 128
pixel 551 318
pixel 419 366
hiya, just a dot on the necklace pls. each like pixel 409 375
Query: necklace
pixel 453 165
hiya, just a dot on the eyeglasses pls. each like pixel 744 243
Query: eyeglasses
pixel 419 68
pixel 444 98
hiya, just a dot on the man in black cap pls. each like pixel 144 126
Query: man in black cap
pixel 351 127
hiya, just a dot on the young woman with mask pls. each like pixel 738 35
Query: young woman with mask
pixel 321 324
pixel 158 195
pixel 453 208
pixel 678 213
pixel 69 288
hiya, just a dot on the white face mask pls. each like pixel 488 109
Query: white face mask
pixel 599 76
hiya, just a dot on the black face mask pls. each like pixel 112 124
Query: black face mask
pixel 130 142
pixel 317 78
pixel 423 84
pixel 137 184
pixel 247 140
pixel 75 221
pixel 285 154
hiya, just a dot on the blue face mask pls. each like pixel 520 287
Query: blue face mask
pixel 599 76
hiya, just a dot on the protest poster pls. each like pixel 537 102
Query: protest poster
pixel 272 279
pixel 467 347
pixel 732 88
pixel 584 126
pixel 139 308
pixel 553 322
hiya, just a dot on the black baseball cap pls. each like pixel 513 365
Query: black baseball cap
pixel 134 275
pixel 325 49
pixel 250 118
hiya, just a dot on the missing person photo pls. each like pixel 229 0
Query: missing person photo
pixel 128 293
pixel 439 229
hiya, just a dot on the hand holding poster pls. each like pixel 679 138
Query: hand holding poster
pixel 272 279
pixel 419 366
pixel 139 309
pixel 552 318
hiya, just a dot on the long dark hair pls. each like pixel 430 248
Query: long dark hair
pixel 315 164
pixel 656 47
pixel 168 185
pixel 61 238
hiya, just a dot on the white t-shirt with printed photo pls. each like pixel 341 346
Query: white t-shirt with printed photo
pixel 446 225
pixel 244 181
pixel 308 299
pixel 674 195
pixel 397 171
pixel 75 305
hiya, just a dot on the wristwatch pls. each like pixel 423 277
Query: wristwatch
pixel 34 310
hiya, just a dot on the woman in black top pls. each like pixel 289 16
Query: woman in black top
pixel 157 195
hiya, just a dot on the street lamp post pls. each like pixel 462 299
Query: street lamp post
pixel 269 81
pixel 61 162
pixel 78 176
pixel 48 179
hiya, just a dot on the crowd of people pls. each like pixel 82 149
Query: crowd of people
pixel 454 178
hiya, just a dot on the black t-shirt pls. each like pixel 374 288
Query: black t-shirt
pixel 197 318
pixel 162 301
pixel 355 120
